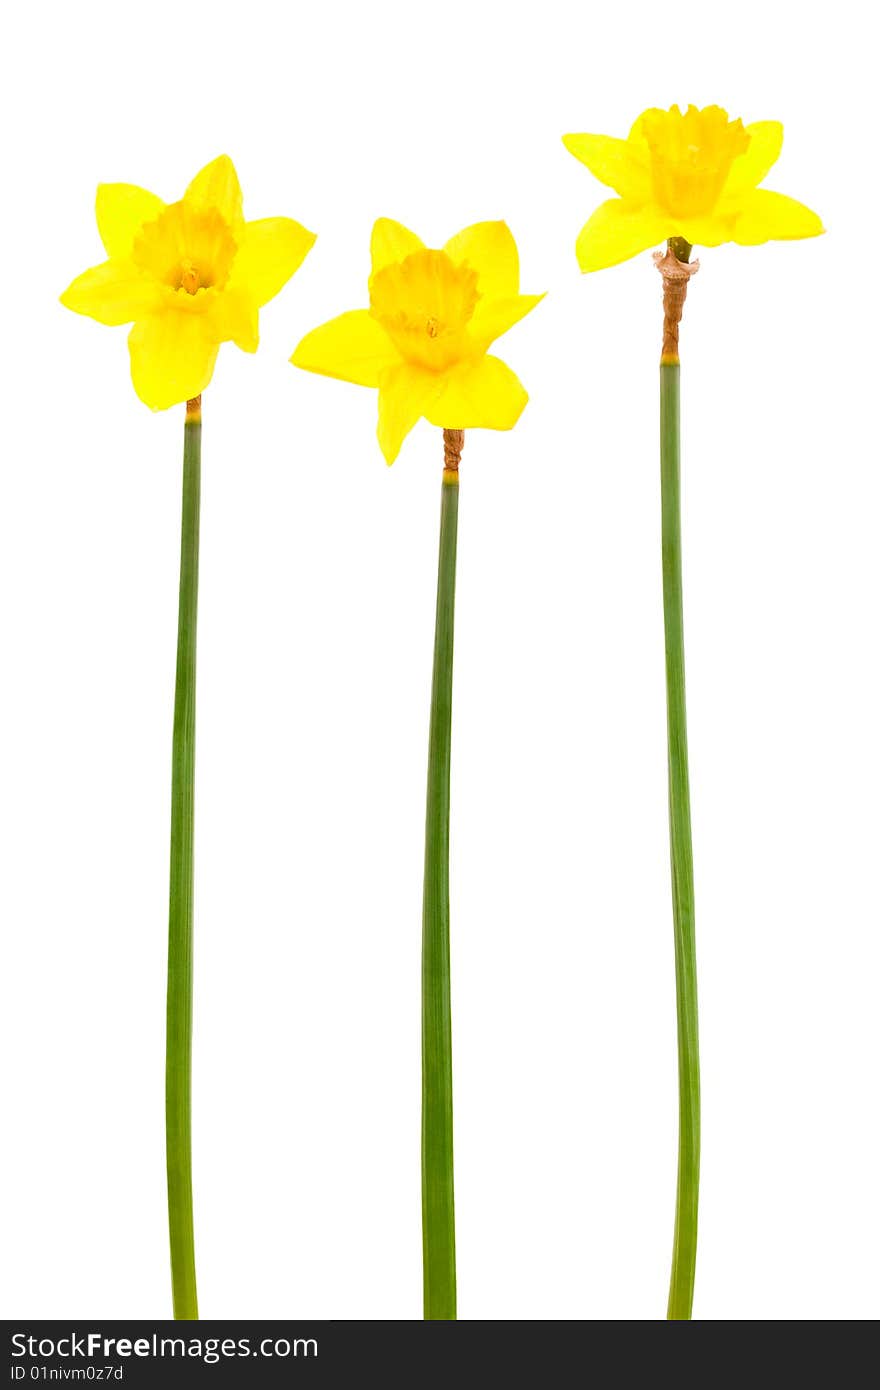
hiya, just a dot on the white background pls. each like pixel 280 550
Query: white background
pixel 316 616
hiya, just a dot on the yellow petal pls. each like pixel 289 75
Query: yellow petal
pixel 352 347
pixel 272 249
pixel 747 171
pixel 494 316
pixel 484 394
pixel 623 165
pixel 121 209
pixel 618 230
pixel 712 230
pixel 114 292
pixel 405 394
pixel 172 358
pixel 234 317
pixel 636 136
pixel 391 242
pixel 490 250
pixel 766 216
pixel 216 186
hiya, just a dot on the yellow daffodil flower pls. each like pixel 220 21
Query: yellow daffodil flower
pixel 423 341
pixel 189 275
pixel 693 176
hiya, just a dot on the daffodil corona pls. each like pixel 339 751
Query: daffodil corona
pixel 684 179
pixel 189 275
pixel 693 176
pixel 424 339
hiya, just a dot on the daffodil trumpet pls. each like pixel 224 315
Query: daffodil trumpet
pixel 189 276
pixel 683 178
pixel 423 342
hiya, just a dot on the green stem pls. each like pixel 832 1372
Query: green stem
pixel 684 1251
pixel 178 1054
pixel 438 1205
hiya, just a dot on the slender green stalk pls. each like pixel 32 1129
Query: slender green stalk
pixel 178 1054
pixel 684 1252
pixel 438 1202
